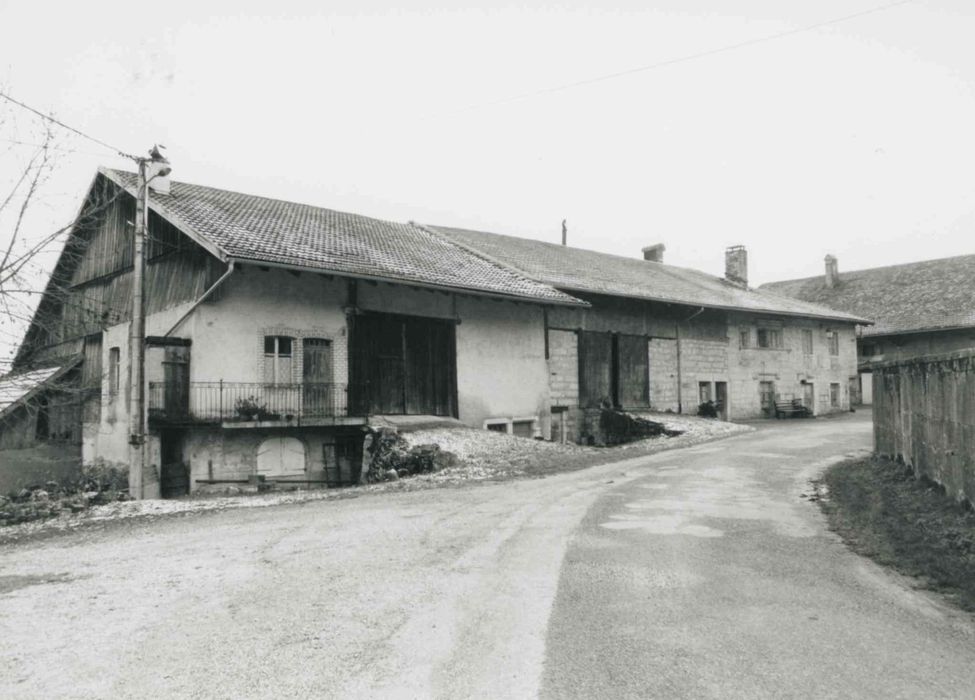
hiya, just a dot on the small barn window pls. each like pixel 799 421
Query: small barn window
pixel 113 371
pixel 278 359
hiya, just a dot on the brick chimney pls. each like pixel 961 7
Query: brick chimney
pixel 654 253
pixel 832 271
pixel 736 265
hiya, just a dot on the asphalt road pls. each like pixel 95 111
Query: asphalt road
pixel 698 573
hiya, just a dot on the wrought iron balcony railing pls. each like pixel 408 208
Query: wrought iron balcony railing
pixel 244 401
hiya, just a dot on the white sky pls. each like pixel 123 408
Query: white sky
pixel 856 139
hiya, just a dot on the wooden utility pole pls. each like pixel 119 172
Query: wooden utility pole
pixel 137 341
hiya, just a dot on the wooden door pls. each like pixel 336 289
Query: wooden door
pixel 317 395
pixel 176 378
pixel 809 397
pixel 721 399
pixel 595 369
pixel 174 474
pixel 767 396
pixel 633 371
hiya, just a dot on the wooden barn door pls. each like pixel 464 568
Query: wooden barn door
pixel 403 365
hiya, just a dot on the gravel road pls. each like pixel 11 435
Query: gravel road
pixel 449 593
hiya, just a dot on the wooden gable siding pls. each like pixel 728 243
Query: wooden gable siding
pixel 91 288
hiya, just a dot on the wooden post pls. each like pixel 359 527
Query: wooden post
pixel 137 345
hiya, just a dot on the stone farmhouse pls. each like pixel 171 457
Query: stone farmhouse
pixel 918 309
pixel 275 332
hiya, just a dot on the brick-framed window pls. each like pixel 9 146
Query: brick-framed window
pixel 279 353
pixel 770 338
pixel 833 341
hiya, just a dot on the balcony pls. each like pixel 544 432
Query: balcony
pixel 248 404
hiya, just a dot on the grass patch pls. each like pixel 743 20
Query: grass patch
pixel 881 511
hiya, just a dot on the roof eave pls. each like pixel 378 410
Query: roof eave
pixel 70 364
pixel 719 307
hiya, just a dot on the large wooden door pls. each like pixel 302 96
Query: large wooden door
pixel 595 369
pixel 633 371
pixel 403 365
pixel 317 395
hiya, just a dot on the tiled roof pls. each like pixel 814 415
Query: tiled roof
pixel 248 227
pixel 578 270
pixel 927 295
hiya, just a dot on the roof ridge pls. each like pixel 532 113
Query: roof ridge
pixel 870 269
pixel 268 199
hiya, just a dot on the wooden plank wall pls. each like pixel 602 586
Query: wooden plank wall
pixel 92 287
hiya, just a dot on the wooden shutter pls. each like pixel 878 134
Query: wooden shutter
pixel 634 372
pixel 595 368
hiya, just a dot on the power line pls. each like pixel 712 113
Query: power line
pixel 681 59
pixel 62 149
pixel 51 119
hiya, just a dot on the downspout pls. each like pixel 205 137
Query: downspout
pixel 203 297
pixel 680 391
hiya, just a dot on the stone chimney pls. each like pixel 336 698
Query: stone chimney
pixel 654 253
pixel 832 271
pixel 736 265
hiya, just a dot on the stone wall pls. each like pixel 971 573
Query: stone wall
pixel 663 374
pixel 924 416
pixel 563 369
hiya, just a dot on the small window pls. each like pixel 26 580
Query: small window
pixel 834 395
pixel 704 392
pixel 769 338
pixel 497 427
pixel 523 428
pixel 113 371
pixel 868 350
pixel 807 341
pixel 833 340
pixel 278 362
pixel 744 338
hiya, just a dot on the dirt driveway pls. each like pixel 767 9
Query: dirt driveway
pixel 439 593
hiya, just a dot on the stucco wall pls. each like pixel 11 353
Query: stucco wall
pixel 501 366
pixel 220 454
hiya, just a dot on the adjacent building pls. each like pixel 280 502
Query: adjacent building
pixel 276 331
pixel 918 309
